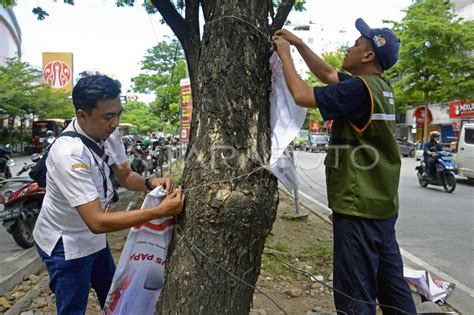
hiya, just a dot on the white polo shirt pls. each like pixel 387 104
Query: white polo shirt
pixel 73 179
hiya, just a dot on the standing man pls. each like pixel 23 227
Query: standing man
pixel 362 167
pixel 70 230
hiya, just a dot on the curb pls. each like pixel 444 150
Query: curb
pixel 26 300
pixel 32 266
pixel 458 308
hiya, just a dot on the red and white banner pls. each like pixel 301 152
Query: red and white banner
pixel 139 277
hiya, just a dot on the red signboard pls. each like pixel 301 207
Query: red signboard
pixel 419 114
pixel 461 109
pixel 314 126
pixel 186 110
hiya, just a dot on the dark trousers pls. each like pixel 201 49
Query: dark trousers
pixel 368 266
pixel 430 165
pixel 71 280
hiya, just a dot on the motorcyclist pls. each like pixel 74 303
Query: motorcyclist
pixel 430 151
pixel 49 139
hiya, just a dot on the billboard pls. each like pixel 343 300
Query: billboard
pixel 186 109
pixel 461 109
pixel 58 71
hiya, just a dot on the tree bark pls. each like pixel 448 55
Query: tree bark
pixel 227 220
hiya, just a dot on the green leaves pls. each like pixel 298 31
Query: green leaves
pixel 436 52
pixel 22 93
pixel 163 67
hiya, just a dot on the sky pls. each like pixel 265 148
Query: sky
pixel 114 40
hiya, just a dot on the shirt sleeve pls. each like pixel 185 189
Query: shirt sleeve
pixel 347 99
pixel 73 179
pixel 115 149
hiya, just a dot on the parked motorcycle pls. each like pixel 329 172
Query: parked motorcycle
pixel 22 199
pixel 138 159
pixel 444 175
pixel 6 163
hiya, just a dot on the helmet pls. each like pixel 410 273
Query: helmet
pixel 434 134
pixel 35 157
pixel 49 133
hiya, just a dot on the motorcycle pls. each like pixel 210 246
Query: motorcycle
pixel 444 175
pixel 22 199
pixel 6 163
pixel 138 159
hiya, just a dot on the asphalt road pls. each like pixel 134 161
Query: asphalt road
pixel 15 261
pixel 8 247
pixel 435 229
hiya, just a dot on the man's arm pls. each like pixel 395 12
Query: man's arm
pixel 320 68
pixel 99 221
pixel 302 93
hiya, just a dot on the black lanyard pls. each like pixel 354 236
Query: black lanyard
pixel 88 143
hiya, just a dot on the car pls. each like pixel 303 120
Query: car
pixel 301 141
pixel 406 148
pixel 319 143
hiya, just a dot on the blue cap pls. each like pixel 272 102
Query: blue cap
pixel 386 45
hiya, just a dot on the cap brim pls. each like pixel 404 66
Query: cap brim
pixel 363 28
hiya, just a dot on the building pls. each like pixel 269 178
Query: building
pixel 313 36
pixel 463 8
pixel 10 35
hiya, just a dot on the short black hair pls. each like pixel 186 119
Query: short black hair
pixel 93 88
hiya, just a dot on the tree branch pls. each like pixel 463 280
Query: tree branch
pixel 174 20
pixel 282 14
pixel 192 16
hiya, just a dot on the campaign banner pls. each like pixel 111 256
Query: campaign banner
pixel 461 109
pixel 58 71
pixel 139 277
pixel 186 110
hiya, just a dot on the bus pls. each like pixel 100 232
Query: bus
pixel 39 129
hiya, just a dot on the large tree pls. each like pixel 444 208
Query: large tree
pixel 225 221
pixel 436 53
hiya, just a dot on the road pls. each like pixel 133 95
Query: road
pixel 15 261
pixel 8 247
pixel 434 229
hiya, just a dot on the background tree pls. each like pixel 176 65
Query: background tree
pixel 21 93
pixel 140 114
pixel 436 54
pixel 163 67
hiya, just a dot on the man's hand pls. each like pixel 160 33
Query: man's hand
pixel 165 182
pixel 171 205
pixel 281 45
pixel 288 36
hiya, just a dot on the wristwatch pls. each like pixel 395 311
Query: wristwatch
pixel 147 183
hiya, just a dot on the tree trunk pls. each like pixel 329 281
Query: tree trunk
pixel 425 122
pixel 228 220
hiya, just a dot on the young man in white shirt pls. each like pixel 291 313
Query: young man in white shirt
pixel 70 230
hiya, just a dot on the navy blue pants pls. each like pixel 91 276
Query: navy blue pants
pixel 368 266
pixel 71 280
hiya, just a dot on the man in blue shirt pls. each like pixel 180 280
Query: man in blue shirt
pixel 367 260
